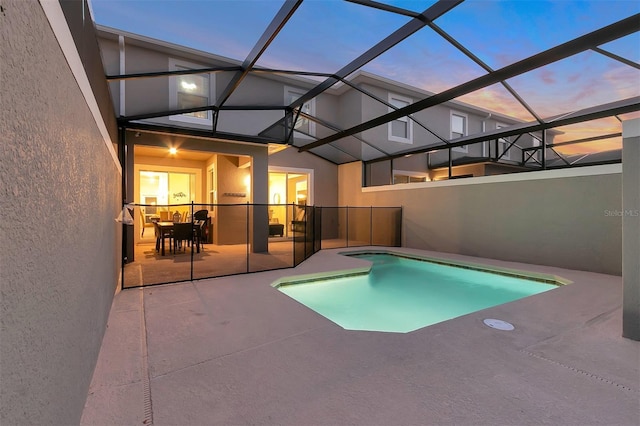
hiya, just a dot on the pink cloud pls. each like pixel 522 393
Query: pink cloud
pixel 547 76
pixel 573 78
pixel 590 129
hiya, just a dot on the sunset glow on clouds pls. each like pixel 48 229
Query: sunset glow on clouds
pixel 325 35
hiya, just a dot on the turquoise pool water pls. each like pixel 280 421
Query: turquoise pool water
pixel 402 295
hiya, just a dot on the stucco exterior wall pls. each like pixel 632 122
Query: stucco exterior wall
pixel 59 265
pixel 437 119
pixel 231 221
pixel 153 94
pixel 325 174
pixel 559 221
pixel 631 229
pixel 326 109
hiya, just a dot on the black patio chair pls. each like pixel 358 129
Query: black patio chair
pixel 182 232
pixel 160 233
pixel 200 219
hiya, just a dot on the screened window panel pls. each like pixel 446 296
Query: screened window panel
pixel 399 129
pixel 457 126
pixel 193 92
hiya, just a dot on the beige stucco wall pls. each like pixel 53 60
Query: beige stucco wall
pixel 325 174
pixel 60 190
pixel 631 229
pixel 559 221
pixel 231 225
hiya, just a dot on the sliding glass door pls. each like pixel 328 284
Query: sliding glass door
pixel 286 187
pixel 163 192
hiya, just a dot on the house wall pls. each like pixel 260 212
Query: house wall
pixel 379 136
pixel 327 110
pixel 631 229
pixel 349 109
pixel 145 95
pixel 554 218
pixel 437 119
pixel 231 221
pixel 61 190
pixel 252 91
pixel 415 163
pixel 149 95
pixel 110 54
pixel 83 33
pixel 325 174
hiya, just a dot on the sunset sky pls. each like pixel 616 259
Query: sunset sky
pixel 325 35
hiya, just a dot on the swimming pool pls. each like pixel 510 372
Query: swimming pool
pixel 402 294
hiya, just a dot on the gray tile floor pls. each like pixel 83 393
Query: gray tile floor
pixel 235 351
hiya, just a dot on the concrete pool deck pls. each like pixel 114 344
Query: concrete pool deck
pixel 235 350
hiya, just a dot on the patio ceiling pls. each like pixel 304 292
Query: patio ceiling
pixel 552 77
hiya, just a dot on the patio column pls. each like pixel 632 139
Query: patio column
pixel 128 177
pixel 631 229
pixel 260 190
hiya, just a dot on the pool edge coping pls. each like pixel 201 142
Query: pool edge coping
pixel 510 272
pixel 327 275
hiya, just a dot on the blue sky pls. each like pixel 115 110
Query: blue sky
pixel 325 35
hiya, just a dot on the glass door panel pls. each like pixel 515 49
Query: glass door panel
pixel 164 190
pixel 277 199
pixel 286 188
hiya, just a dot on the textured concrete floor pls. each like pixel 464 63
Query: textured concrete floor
pixel 233 351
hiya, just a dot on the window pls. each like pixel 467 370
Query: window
pixel 190 91
pixel 166 193
pixel 403 176
pixel 459 129
pixel 303 125
pixel 211 186
pixel 503 144
pixel 400 130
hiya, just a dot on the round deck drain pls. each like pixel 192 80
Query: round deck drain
pixel 498 324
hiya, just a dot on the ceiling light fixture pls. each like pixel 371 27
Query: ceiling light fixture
pixel 173 151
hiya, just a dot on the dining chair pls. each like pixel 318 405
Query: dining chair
pixel 199 233
pixel 182 232
pixel 168 233
pixel 201 217
pixel 141 214
pixel 143 221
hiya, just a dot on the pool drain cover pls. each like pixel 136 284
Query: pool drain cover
pixel 498 324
